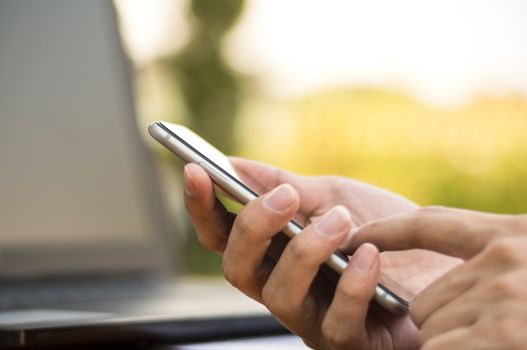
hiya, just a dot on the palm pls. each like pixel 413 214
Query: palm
pixel 414 269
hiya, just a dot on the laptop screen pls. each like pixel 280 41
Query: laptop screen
pixel 75 181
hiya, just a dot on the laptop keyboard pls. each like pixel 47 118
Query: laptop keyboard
pixel 25 295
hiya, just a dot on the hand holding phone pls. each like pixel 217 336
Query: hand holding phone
pixel 193 149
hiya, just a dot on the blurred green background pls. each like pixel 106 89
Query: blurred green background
pixel 471 154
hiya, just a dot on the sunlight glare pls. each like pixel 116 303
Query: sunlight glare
pixel 443 51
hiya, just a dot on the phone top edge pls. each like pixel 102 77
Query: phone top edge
pixel 205 158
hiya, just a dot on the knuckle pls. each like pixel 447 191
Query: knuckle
pixel 210 243
pixel 355 293
pixel 370 226
pixel 268 295
pixel 231 274
pixel 243 221
pixel 504 328
pixel 420 311
pixel 416 313
pixel 516 224
pixel 338 340
pixel 300 250
pixel 335 336
pixel 420 219
pixel 277 304
pixel 505 286
pixel 255 223
pixel 420 216
pixel 204 240
pixel 504 250
pixel 431 209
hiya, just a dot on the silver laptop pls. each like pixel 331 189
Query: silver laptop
pixel 85 244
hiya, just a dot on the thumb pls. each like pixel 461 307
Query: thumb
pixel 455 232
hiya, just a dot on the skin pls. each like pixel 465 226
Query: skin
pixel 480 304
pixel 309 304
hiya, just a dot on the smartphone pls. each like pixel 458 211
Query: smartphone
pixel 191 148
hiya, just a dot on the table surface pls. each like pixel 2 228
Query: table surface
pixel 281 342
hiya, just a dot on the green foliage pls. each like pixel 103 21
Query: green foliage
pixel 471 156
pixel 210 89
pixel 214 18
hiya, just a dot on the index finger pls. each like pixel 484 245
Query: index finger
pixel 455 232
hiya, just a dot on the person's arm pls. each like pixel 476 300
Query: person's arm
pixel 324 316
pixel 480 304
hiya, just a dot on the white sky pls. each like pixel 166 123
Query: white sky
pixel 443 51
pixel 152 27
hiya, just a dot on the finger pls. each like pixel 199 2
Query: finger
pixel 498 257
pixel 344 323
pixel 251 236
pixel 209 217
pixel 460 312
pixel 288 285
pixel 442 291
pixel 455 232
pixel 460 338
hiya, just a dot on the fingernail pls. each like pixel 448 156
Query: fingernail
pixel 334 221
pixel 188 184
pixel 280 198
pixel 364 257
